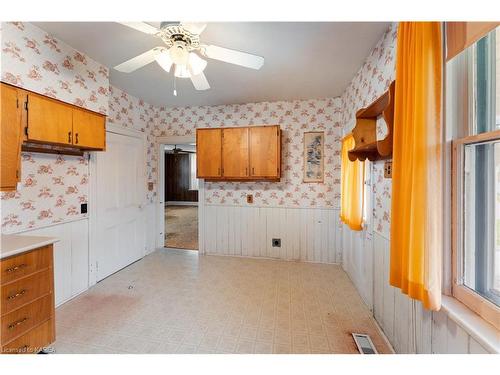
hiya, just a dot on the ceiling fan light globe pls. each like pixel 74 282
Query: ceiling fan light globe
pixel 196 64
pixel 164 61
pixel 179 53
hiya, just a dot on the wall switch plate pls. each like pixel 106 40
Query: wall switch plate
pixel 388 169
pixel 83 208
pixel 276 242
pixel 249 198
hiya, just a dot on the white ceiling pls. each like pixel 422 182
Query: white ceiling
pixel 303 60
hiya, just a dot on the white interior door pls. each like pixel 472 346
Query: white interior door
pixel 120 218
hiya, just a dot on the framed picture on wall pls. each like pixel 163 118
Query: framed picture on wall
pixel 314 158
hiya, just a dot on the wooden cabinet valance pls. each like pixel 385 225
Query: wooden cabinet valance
pixel 239 153
pixel 34 122
pixel 460 35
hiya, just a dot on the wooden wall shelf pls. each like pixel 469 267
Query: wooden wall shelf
pixel 365 130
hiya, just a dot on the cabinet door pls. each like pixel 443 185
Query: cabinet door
pixel 49 121
pixel 208 153
pixel 88 129
pixel 10 137
pixel 265 151
pixel 235 152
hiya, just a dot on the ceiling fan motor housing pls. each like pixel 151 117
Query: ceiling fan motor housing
pixel 172 33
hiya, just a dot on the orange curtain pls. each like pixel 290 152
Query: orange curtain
pixel 352 187
pixel 416 216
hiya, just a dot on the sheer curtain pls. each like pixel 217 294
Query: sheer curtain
pixel 352 187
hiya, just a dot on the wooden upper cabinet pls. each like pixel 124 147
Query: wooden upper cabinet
pixel 29 119
pixel 10 137
pixel 49 121
pixel 239 154
pixel 235 157
pixel 265 151
pixel 209 153
pixel 89 129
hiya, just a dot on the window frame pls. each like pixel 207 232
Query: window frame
pixel 473 300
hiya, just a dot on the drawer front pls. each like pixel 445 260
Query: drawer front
pixel 22 320
pixel 33 341
pixel 20 292
pixel 21 265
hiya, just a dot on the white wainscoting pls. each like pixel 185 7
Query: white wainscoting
pixel 71 257
pixel 307 234
pixel 434 332
pixel 357 251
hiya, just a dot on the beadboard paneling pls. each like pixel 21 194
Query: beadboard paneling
pixel 71 257
pixel 306 234
pixel 399 316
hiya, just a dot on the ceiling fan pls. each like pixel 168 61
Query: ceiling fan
pixel 182 52
pixel 177 150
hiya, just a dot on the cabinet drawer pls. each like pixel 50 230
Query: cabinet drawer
pixel 24 264
pixel 20 292
pixel 22 320
pixel 33 341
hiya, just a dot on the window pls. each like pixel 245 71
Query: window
pixel 476 185
pixel 352 187
pixel 193 181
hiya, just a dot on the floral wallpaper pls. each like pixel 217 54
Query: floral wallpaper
pixel 294 117
pixel 371 81
pixel 34 60
pixel 130 112
pixel 52 189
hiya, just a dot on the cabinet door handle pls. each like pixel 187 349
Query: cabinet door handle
pixel 253 170
pixel 246 171
pixel 69 137
pixel 76 138
pixel 17 323
pixel 16 268
pixel 18 294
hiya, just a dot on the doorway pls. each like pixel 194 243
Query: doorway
pixel 181 196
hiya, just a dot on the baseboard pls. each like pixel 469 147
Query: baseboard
pixel 269 258
pixel 180 203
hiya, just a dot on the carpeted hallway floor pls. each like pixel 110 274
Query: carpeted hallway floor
pixel 181 224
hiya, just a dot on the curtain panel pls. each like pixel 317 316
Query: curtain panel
pixel 352 187
pixel 417 189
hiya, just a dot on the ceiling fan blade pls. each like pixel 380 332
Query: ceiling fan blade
pixel 194 27
pixel 141 26
pixel 200 82
pixel 139 61
pixel 233 57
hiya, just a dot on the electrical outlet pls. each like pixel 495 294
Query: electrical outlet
pixel 276 242
pixel 249 198
pixel 388 169
pixel 83 208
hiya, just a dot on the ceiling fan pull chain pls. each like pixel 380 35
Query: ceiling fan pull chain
pixel 175 86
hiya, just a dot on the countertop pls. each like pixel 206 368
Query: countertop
pixel 13 244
